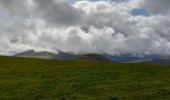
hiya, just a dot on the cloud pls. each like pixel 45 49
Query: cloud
pixel 57 12
pixel 157 6
pixel 105 26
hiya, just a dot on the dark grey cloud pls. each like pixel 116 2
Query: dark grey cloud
pixel 157 6
pixel 57 12
pixel 15 7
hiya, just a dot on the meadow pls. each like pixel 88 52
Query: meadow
pixel 42 79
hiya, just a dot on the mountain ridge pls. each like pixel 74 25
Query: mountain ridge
pixel 127 58
pixel 62 55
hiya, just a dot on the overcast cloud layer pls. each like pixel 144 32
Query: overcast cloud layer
pixel 105 26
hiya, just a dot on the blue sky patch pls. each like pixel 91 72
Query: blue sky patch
pixel 140 12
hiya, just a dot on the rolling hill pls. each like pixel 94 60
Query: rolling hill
pixel 51 79
pixel 128 58
pixel 61 55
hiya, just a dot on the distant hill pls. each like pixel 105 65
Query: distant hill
pixel 34 54
pixel 131 57
pixel 96 57
pixel 156 61
pixel 64 55
pixel 128 58
pixel 146 59
pixel 61 55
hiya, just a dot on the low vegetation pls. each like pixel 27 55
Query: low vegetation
pixel 40 79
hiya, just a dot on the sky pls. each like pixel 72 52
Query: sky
pixel 112 27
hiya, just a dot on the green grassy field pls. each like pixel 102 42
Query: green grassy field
pixel 38 79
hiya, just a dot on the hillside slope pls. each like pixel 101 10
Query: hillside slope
pixel 41 79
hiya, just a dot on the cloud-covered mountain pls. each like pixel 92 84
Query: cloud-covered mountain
pixel 61 55
pixel 85 26
pixel 34 54
pixel 46 55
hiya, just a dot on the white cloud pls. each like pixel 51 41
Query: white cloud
pixel 99 26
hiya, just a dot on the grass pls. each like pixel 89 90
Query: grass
pixel 40 79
